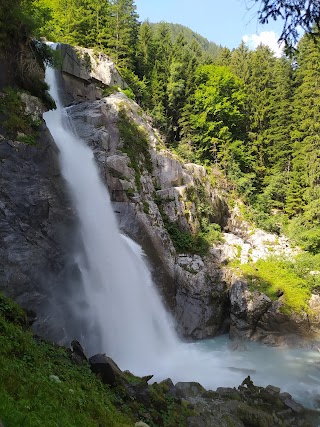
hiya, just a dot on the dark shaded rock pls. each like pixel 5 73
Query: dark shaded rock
pixel 77 354
pixel 106 369
pixel 202 303
pixel 168 387
pixel 229 393
pixel 196 422
pixel 147 378
pixel 36 228
pixel 31 316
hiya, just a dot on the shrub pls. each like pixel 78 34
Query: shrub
pixel 274 276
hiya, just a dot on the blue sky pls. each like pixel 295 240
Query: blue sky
pixel 225 22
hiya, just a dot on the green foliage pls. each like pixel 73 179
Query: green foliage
pixel 11 311
pixel 16 122
pixel 29 397
pixel 146 207
pixel 192 38
pixel 135 144
pixel 275 277
pixel 185 242
pixel 41 385
pixel 217 118
pixel 19 20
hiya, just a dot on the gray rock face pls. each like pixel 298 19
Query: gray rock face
pixel 189 389
pixel 197 296
pixel 36 223
pixel 247 405
pixel 254 316
pixel 201 299
pixel 81 68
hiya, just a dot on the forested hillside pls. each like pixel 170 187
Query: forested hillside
pixel 248 113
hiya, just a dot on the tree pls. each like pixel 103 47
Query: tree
pixel 296 13
pixel 217 119
pixel 123 32
pixel 306 132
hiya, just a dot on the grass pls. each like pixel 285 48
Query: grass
pixel 41 386
pixel 30 398
pixel 273 277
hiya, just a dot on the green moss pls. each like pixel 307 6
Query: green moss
pixel 109 90
pixel 146 207
pixel 15 120
pixel 275 277
pixel 135 145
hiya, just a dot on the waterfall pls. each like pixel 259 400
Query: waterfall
pixel 123 310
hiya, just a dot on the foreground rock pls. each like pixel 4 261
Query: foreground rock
pixel 107 370
pixel 189 404
pixel 247 405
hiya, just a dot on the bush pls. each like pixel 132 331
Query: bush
pixel 275 276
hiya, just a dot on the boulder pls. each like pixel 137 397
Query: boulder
pixel 77 354
pixel 106 369
pixel 189 389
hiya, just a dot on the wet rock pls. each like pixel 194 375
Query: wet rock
pixel 77 354
pixel 272 389
pixel 106 369
pixel 36 229
pixel 189 389
pixel 202 302
pixel 291 403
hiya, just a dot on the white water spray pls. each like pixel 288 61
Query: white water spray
pixel 123 302
pixel 124 308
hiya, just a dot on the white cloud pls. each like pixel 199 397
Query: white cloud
pixel 267 38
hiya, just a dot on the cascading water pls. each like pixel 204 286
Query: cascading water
pixel 122 300
pixel 124 311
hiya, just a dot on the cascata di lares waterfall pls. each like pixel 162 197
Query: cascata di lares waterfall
pixel 123 306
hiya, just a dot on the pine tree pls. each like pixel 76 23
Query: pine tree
pixel 124 27
pixel 306 133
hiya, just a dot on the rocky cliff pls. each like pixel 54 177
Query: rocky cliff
pixel 156 197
